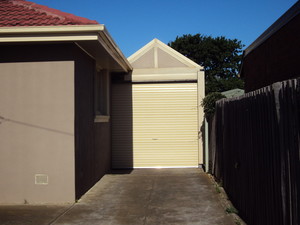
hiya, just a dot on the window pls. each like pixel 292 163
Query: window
pixel 102 96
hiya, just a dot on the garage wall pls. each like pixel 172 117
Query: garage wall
pixel 158 129
pixel 157 112
pixel 37 132
pixel 122 126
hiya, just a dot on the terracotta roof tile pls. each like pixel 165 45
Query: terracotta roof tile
pixel 25 13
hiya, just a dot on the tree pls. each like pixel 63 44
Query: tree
pixel 220 57
pixel 209 104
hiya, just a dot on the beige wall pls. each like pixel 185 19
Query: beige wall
pixel 155 63
pixel 201 95
pixel 37 132
pixel 158 129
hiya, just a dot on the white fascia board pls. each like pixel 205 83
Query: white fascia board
pixel 114 50
pixel 167 49
pixel 141 51
pixel 50 33
pixel 49 38
pixel 52 29
pixel 72 33
pixel 178 55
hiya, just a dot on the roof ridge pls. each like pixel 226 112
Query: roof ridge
pixel 53 12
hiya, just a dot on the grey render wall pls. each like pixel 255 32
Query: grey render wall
pixel 37 132
pixel 91 150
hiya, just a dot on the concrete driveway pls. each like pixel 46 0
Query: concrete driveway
pixel 141 197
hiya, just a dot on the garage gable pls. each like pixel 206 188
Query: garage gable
pixel 156 54
pixel 156 62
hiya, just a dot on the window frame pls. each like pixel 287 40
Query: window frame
pixel 102 77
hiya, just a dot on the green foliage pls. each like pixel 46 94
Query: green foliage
pixel 237 222
pixel 220 57
pixel 209 103
pixel 220 85
pixel 218 189
pixel 231 209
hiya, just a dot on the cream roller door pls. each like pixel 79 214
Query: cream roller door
pixel 154 125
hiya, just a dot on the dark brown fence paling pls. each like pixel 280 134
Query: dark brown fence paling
pixel 254 148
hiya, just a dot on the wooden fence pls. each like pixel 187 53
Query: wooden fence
pixel 254 149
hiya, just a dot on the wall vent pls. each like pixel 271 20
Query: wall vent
pixel 41 179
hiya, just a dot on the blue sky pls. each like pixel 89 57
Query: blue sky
pixel 133 23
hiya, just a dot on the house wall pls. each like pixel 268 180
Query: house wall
pixel 93 154
pixel 277 59
pixel 102 149
pixel 37 132
pixel 91 141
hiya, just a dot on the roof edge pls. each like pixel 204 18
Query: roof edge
pixel 179 55
pixel 172 51
pixel 52 29
pixel 72 33
pixel 282 21
pixel 133 56
pixel 115 47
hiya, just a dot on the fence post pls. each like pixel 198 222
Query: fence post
pixel 206 154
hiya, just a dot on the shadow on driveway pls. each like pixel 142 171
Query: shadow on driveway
pixel 138 197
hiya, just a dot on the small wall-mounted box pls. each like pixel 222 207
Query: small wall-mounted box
pixel 41 179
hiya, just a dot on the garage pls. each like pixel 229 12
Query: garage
pixel 156 111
